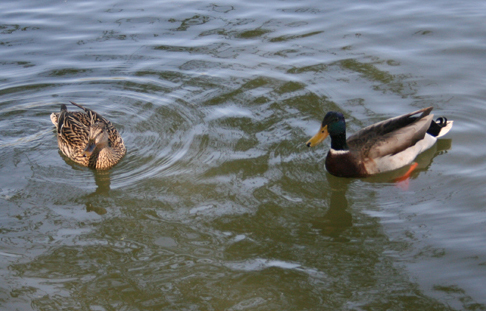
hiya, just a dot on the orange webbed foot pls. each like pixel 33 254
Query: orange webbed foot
pixel 402 181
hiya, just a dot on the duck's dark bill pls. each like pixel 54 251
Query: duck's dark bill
pixel 89 149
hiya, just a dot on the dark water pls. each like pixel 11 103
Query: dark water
pixel 218 204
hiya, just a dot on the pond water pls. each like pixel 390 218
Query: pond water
pixel 218 204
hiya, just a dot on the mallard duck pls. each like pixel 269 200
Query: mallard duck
pixel 87 138
pixel 381 147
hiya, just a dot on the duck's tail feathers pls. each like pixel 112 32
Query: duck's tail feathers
pixel 447 127
pixel 78 105
pixel 93 116
pixel 440 127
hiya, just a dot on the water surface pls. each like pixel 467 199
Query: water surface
pixel 218 204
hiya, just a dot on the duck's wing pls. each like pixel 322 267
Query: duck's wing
pixel 391 136
pixel 72 129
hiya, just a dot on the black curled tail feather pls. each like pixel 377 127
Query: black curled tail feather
pixel 441 121
pixel 436 126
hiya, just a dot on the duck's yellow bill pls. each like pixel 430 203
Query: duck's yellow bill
pixel 318 138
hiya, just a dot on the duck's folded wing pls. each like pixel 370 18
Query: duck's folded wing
pixel 74 132
pixel 399 140
pixel 387 126
pixel 393 135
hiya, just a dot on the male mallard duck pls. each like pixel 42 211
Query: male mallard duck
pixel 87 138
pixel 381 147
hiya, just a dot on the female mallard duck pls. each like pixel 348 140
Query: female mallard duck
pixel 87 138
pixel 381 147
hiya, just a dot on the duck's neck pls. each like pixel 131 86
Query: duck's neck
pixel 338 141
pixel 93 159
pixel 101 156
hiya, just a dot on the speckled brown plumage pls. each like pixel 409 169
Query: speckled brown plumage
pixel 78 130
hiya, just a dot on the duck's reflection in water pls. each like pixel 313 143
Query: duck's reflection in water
pixel 337 217
pixel 93 202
